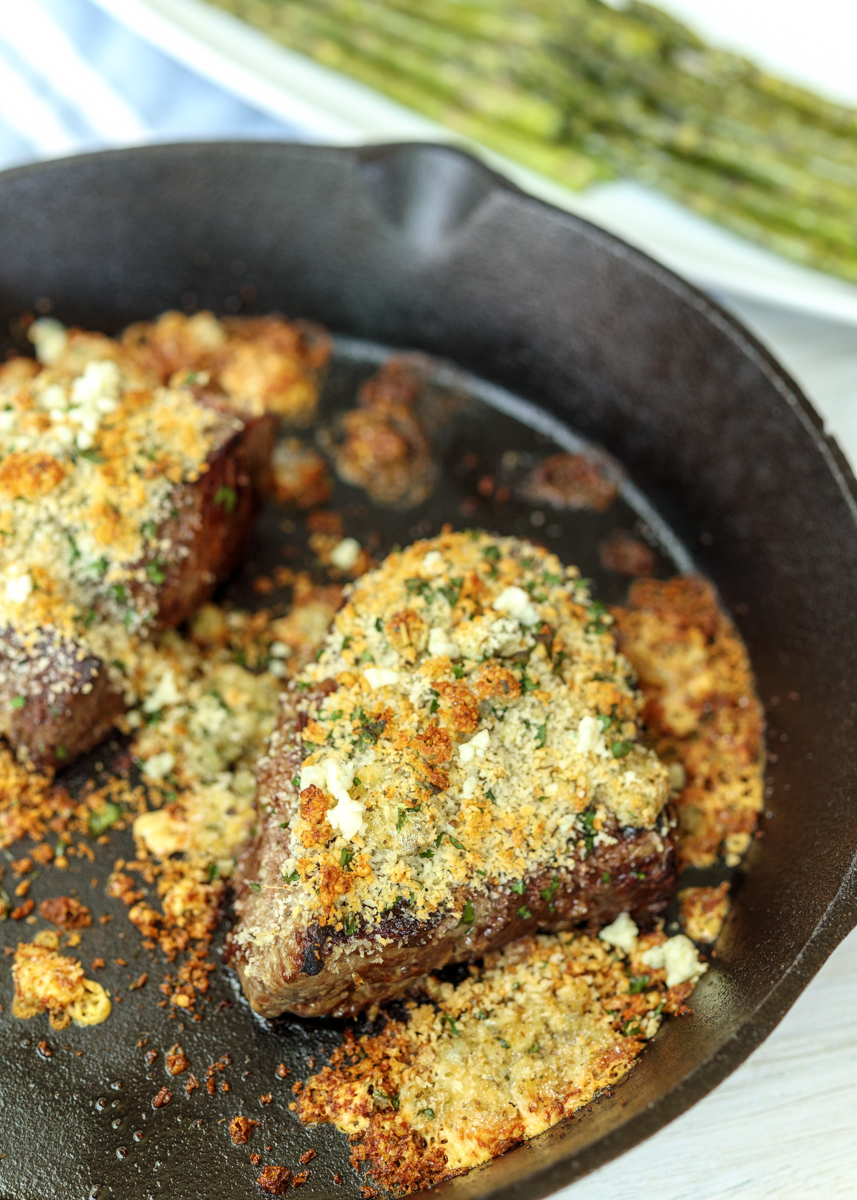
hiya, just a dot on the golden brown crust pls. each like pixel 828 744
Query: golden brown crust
pixel 703 911
pixel 701 709
pixel 528 1039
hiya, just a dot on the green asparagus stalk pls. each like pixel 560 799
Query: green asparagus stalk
pixel 581 91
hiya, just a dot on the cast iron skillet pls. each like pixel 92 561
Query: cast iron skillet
pixel 420 246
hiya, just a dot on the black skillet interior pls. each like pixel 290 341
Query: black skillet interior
pixel 421 247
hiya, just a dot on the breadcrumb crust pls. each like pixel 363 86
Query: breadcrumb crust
pixel 530 1038
pixel 702 711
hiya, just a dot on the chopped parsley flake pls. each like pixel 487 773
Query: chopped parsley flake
pixel 637 984
pixel 549 892
pixel 103 818
pixel 227 497
pixel 452 591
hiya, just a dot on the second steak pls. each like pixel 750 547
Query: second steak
pixel 462 766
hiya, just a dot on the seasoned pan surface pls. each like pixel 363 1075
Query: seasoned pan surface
pixel 726 469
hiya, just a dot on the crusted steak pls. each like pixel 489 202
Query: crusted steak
pixel 462 766
pixel 129 481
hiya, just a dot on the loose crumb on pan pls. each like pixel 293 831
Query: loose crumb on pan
pixel 701 710
pixel 627 555
pixel 47 981
pixel 241 1130
pixel 301 474
pixel 274 1180
pixel 573 481
pixel 531 1037
pixel 381 445
pixel 703 911
pixel 65 912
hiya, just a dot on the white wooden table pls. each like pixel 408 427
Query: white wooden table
pixel 784 1125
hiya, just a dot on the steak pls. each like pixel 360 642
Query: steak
pixel 132 471
pixel 57 698
pixel 483 779
pixel 314 969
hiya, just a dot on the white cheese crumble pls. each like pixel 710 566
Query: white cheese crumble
pixel 335 777
pixel 378 677
pixel 347 818
pixel 468 788
pixel 590 737
pixel 93 394
pixel 166 692
pixel 159 765
pixel 433 563
pixel 516 602
pixel 345 555
pixel 476 747
pixel 622 934
pixel 18 588
pixel 678 777
pixel 49 338
pixel 679 957
pixel 440 643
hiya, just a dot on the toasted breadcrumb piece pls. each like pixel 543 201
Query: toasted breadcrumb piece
pixel 573 481
pixel 46 981
pixel 701 709
pixel 274 1180
pixel 301 475
pixel 65 912
pixel 261 363
pixel 241 1129
pixel 627 555
pixel 531 1037
pixel 703 911
pixel 381 445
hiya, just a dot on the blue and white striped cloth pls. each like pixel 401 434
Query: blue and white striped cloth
pixel 72 79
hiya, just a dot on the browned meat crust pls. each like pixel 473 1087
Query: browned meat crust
pixel 215 515
pixel 340 973
pixel 56 702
